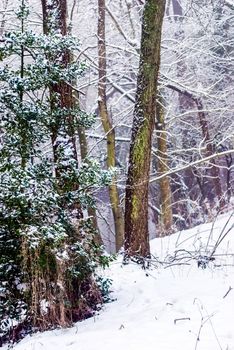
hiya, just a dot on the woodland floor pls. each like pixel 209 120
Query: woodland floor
pixel 172 306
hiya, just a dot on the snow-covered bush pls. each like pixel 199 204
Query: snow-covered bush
pixel 48 252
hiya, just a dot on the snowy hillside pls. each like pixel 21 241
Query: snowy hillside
pixel 172 306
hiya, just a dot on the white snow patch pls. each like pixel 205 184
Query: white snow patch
pixel 173 308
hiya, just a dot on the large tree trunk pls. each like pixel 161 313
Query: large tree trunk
pixel 108 127
pixel 136 213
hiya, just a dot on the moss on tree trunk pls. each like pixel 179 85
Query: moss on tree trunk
pixel 136 213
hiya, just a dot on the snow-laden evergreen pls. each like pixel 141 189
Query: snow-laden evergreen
pixel 48 252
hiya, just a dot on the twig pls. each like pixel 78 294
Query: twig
pixel 181 319
pixel 176 264
pixel 211 232
pixel 222 234
pixel 229 290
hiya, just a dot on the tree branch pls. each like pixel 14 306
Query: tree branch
pixel 199 161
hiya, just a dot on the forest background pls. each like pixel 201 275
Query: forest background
pixel 190 178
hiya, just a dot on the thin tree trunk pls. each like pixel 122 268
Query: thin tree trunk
pixel 108 127
pixel 83 153
pixel 63 90
pixel 137 186
pixel 21 96
pixel 210 149
pixel 166 216
pixel 3 19
pixel 214 170
pixel 183 195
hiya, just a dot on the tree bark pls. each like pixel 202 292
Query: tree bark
pixel 108 127
pixel 137 186
pixel 83 153
pixel 210 149
pixel 166 217
pixel 62 89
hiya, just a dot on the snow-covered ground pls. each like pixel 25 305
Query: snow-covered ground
pixel 171 306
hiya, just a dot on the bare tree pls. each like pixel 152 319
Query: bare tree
pixel 195 58
pixel 166 215
pixel 108 126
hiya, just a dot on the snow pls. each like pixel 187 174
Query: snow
pixel 230 2
pixel 170 306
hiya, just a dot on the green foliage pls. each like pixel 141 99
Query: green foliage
pixel 47 250
pixel 105 284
